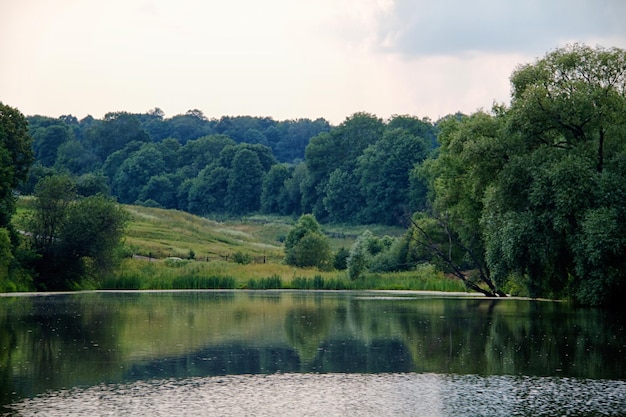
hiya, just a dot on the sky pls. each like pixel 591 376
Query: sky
pixel 286 59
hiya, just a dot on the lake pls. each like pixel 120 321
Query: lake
pixel 307 353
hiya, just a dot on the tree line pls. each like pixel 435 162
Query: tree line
pixel 241 165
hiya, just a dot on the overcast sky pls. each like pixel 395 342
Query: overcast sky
pixel 283 58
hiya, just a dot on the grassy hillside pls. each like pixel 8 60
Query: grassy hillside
pixel 153 235
pixel 163 233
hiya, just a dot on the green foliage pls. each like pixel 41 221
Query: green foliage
pixel 136 171
pixel 16 156
pixel 48 135
pixel 114 133
pixel 74 238
pixel 313 250
pixel 342 195
pixel 359 259
pixel 274 198
pixel 242 258
pixel 528 195
pixel 384 174
pixel 245 182
pixel 306 246
pixel 340 261
pixel 337 151
pixel 6 257
pixel 374 254
pixel 566 122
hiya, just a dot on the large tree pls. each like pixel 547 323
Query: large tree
pixel 471 153
pixel 74 238
pixel 337 152
pixel 245 183
pixel 384 174
pixel 567 124
pixel 16 157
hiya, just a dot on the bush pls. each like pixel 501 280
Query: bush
pixel 242 258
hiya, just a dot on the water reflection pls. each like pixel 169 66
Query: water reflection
pixel 56 343
pixel 327 395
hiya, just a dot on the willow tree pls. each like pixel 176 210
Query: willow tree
pixel 450 236
pixel 556 213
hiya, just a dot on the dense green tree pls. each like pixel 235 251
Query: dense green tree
pixel 274 190
pixel 421 128
pixel 73 157
pixel 185 127
pixel 472 151
pixel 114 133
pixel 92 235
pixel 263 153
pixel 48 134
pixel 207 192
pixel 371 253
pixel 291 139
pixel 342 198
pixel 16 157
pixel 92 183
pixel 340 259
pixel 73 238
pixel 35 174
pixel 6 257
pixel 135 172
pixel 161 190
pixel 359 259
pixel 53 194
pixel 338 149
pixel 245 183
pixel 566 122
pixel 117 158
pixel 384 176
pixel 313 250
pixel 292 197
pixel 306 245
pixel 198 153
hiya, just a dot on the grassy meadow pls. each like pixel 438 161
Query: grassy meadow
pixel 170 249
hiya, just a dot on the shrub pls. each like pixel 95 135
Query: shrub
pixel 242 258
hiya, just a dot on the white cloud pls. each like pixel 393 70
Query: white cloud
pixel 426 27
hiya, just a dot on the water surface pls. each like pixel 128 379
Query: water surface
pixel 306 353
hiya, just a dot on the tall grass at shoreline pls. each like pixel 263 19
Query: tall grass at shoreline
pixel 158 275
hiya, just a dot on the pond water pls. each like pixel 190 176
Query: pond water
pixel 307 353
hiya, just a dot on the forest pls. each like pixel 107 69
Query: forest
pixel 240 165
pixel 525 198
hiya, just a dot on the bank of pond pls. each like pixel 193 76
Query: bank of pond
pixel 171 274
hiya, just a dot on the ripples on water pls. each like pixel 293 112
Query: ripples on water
pixel 338 395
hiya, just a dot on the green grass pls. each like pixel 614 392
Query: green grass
pixel 155 234
pixel 157 275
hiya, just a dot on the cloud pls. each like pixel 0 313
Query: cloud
pixel 427 27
